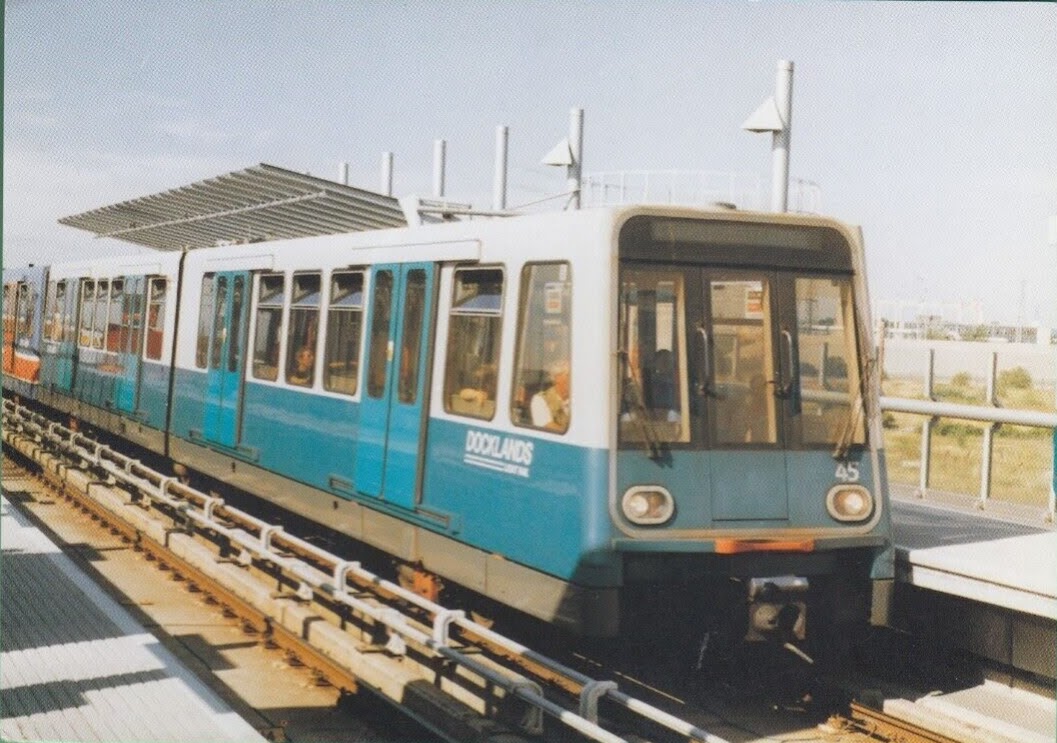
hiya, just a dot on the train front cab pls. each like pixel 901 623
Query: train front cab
pixel 23 298
pixel 747 470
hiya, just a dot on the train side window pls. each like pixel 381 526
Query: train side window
pixel 69 314
pixel 542 381
pixel 341 363
pixel 130 340
pixel 9 313
pixel 112 339
pixel 304 328
pixel 381 312
pixel 25 300
pixel 474 333
pixel 56 298
pixel 411 336
pixel 61 311
pixel 269 326
pixel 102 314
pixel 238 297
pixel 87 312
pixel 219 322
pixel 156 301
pixel 206 310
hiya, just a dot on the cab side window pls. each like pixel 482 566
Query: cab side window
pixel 341 364
pixel 269 326
pixel 474 335
pixel 542 372
pixel 303 332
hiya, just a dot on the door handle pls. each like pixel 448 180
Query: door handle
pixel 704 389
pixel 783 386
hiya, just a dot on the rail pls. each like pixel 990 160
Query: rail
pixel 327 575
pixel 992 413
pixel 672 187
pixel 692 188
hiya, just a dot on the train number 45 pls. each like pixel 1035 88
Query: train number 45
pixel 847 472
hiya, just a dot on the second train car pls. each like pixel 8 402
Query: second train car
pixel 578 415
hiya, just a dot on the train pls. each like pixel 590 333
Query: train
pixel 614 419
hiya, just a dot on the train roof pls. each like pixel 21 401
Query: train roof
pixel 267 203
pixel 264 202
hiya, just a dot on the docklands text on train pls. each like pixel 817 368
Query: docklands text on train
pixel 499 453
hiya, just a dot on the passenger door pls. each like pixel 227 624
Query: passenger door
pixel 226 358
pixel 61 344
pixel 130 342
pixel 392 421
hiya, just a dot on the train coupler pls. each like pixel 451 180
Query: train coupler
pixel 777 609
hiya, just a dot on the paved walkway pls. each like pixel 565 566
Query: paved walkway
pixel 75 666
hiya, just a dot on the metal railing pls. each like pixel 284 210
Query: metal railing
pixel 688 187
pixel 991 413
pixel 693 188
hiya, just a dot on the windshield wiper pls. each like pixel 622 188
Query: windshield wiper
pixel 854 417
pixel 636 400
pixel 851 425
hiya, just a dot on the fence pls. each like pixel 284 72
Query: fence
pixel 991 413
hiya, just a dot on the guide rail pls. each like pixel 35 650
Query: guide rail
pixel 884 727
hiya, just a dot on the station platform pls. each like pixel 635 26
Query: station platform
pixel 983 583
pixel 76 666
pixel 978 557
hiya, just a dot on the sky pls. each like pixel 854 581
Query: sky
pixel 931 125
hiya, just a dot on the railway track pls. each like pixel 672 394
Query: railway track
pixel 877 725
pixel 358 632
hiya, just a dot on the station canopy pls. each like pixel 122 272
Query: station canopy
pixel 260 203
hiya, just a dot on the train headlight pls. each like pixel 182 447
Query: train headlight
pixel 849 503
pixel 648 505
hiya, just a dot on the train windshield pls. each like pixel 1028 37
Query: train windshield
pixel 737 357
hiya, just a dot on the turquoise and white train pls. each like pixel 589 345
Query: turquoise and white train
pixel 596 417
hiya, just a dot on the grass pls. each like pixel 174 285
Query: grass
pixel 1022 462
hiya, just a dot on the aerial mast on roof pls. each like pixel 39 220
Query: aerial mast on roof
pixel 775 115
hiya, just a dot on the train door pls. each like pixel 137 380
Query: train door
pixel 129 345
pixel 392 421
pixel 225 356
pixel 57 355
pixel 66 358
pixel 748 351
